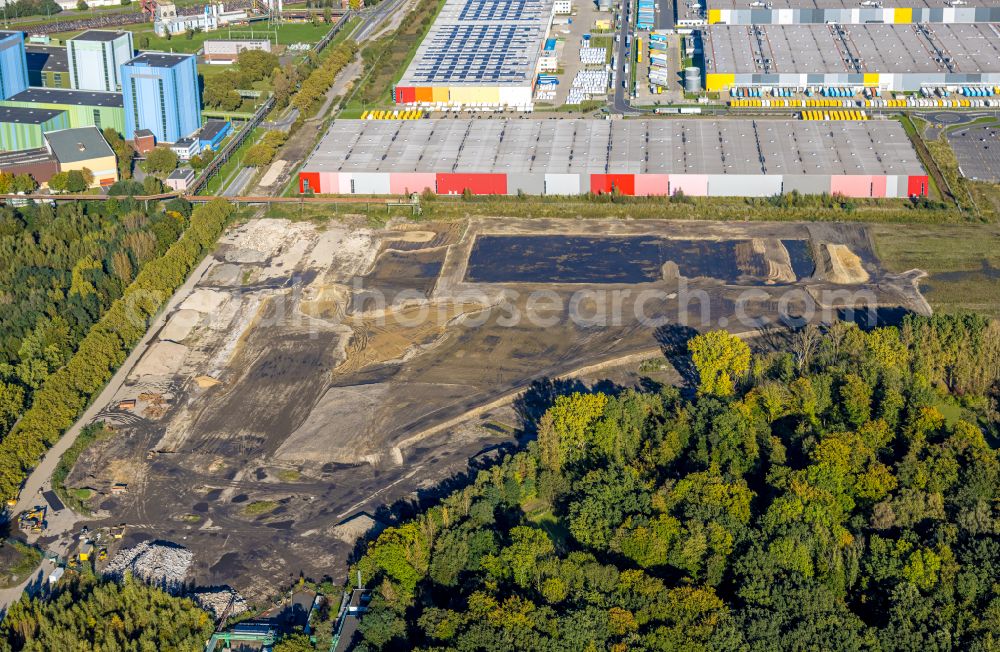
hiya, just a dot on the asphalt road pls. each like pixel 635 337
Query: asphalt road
pixel 284 124
pixel 40 478
pixel 620 102
pixel 373 18
pixel 239 183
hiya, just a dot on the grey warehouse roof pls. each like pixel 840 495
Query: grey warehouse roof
pixel 25 157
pixel 97 35
pixel 82 144
pixel 181 173
pixel 973 48
pixel 211 129
pixel 844 4
pixel 49 58
pixel 38 95
pixel 736 146
pixel 27 116
pixel 487 42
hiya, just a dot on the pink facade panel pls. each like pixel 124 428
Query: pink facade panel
pixel 401 183
pixel 878 185
pixel 344 179
pixel 692 185
pixel 329 182
pixel 647 185
pixel 852 185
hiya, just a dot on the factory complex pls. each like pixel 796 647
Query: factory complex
pixel 850 12
pixel 96 82
pixel 729 157
pixel 478 53
pixel 882 57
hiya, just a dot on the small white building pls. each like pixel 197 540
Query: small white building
pixel 563 7
pixel 56 574
pixel 169 21
pixel 548 63
pixel 226 52
pixel 186 148
pixel 70 5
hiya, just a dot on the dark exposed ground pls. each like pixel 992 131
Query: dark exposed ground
pixel 291 390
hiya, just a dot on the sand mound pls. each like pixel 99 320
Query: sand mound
pixel 258 240
pixel 205 382
pixel 411 236
pixel 767 260
pixel 162 359
pixel 357 527
pixel 845 266
pixel 205 301
pixel 180 325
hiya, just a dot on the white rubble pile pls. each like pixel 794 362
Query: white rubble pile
pixel 156 563
pixel 216 600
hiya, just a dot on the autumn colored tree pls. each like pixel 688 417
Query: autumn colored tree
pixel 721 359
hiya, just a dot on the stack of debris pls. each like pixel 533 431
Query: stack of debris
pixel 159 563
pixel 217 600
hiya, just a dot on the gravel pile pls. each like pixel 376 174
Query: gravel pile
pixel 157 563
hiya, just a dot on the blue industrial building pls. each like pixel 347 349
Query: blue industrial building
pixel 161 95
pixel 213 133
pixel 13 64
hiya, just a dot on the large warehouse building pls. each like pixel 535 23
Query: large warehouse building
pixel 890 57
pixel 478 53
pixel 734 157
pixel 851 12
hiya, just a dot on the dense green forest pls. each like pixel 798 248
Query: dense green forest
pixel 63 267
pixel 89 615
pixel 78 289
pixel 837 492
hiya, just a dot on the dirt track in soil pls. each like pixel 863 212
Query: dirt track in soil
pixel 331 366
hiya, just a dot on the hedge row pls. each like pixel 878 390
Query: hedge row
pixel 67 392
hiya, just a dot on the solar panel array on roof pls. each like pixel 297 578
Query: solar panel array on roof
pixel 493 42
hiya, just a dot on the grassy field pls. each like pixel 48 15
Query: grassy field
pixel 284 34
pixel 216 183
pixel 962 262
pixel 387 58
pixel 17 561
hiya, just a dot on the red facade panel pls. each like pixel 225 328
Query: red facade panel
pixel 478 184
pixel 917 187
pixel 406 95
pixel 309 181
pixel 605 183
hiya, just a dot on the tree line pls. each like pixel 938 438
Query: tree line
pixel 326 66
pixel 85 613
pixel 839 491
pixel 80 310
pixel 64 267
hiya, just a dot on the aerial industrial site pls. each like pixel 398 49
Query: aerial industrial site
pixel 350 263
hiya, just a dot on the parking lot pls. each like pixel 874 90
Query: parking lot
pixel 978 151
pixel 585 15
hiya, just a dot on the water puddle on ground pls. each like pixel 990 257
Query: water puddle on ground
pixel 597 260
